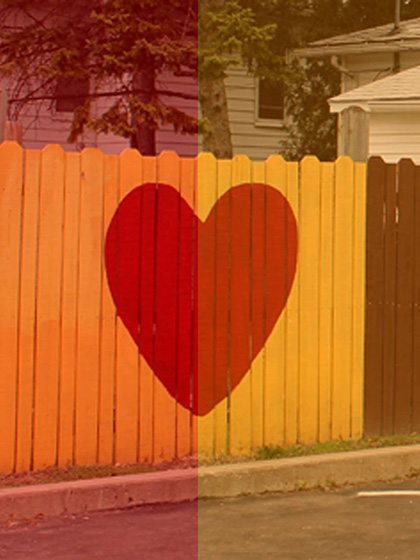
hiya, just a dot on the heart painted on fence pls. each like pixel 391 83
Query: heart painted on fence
pixel 200 298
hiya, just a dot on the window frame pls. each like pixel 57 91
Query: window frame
pixel 58 98
pixel 261 122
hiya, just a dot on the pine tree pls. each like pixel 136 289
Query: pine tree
pixel 120 46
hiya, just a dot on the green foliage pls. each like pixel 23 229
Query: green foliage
pixel 311 127
pixel 231 33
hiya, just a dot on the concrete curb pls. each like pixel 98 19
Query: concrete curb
pixel 282 475
pixel 100 494
pixel 329 470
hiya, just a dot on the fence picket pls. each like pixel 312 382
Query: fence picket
pixel 11 157
pixel 185 338
pixel 240 306
pixel 126 389
pixel 69 319
pixel 47 363
pixel 404 290
pixel 274 375
pixel 27 310
pixel 390 276
pixel 166 303
pixel 89 307
pixel 205 298
pixel 291 381
pixel 221 356
pixel 309 235
pixel 375 198
pixel 415 397
pixel 359 272
pixel 147 381
pixel 343 294
pixel 108 326
pixel 326 300
pixel 257 304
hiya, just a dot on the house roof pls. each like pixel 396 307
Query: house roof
pixel 384 38
pixel 400 90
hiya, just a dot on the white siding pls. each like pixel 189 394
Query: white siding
pixel 394 136
pixel 366 68
pixel 257 139
pixel 251 137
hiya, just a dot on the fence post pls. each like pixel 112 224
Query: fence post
pixel 353 134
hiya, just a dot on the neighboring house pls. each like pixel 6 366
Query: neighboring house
pixel 256 115
pixel 255 112
pixel 363 57
pixel 392 107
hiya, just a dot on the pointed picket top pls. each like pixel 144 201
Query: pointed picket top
pixel 310 173
pixel 130 154
pixel 50 148
pixel 92 168
pixel 374 163
pixel 344 165
pixel 309 160
pixel 131 170
pixel 376 158
pixel 241 170
pixel 276 172
pixel 9 144
pixel 92 156
pixel 206 187
pixel 405 161
pixel 168 163
pixel 92 150
pixel 11 155
pixel 52 165
pixel 347 159
pixel 344 173
pixel 168 154
pixel 205 157
pixel 275 159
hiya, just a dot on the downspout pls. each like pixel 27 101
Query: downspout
pixel 335 62
pixel 397 59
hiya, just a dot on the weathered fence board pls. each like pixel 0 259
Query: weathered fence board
pixel 392 370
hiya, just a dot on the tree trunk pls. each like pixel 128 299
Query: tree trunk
pixel 212 98
pixel 144 139
pixel 213 102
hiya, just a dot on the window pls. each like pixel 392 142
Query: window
pixel 270 101
pixel 70 93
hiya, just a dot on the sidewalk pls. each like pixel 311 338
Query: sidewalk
pixel 277 475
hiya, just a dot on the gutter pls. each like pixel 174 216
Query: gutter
pixel 360 48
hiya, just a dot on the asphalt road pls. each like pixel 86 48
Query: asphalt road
pixel 311 525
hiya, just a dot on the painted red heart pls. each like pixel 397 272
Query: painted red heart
pixel 200 298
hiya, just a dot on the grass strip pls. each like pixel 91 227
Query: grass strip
pixel 71 473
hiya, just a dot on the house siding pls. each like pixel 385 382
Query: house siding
pixel 258 140
pixel 391 135
pixel 366 68
pixel 250 136
pixel 395 135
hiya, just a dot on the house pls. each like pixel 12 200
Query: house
pixel 364 57
pixel 392 115
pixel 255 112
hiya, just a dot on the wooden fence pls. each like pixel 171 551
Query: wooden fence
pixel 153 307
pixel 392 370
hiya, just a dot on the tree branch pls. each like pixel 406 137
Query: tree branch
pixel 164 93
